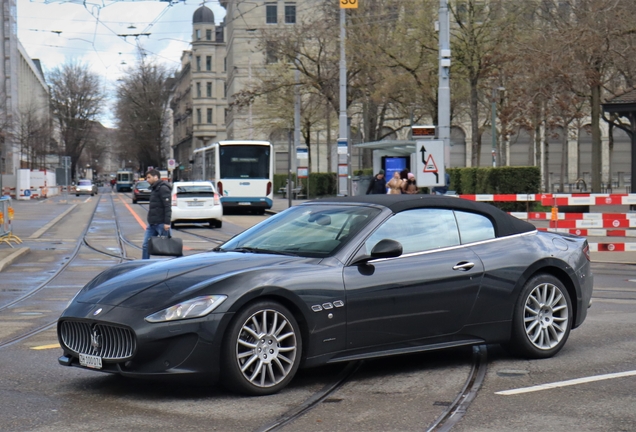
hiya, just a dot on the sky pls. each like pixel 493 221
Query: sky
pixel 59 31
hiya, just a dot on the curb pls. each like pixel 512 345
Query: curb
pixel 14 256
pixel 42 230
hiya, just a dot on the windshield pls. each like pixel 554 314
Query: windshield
pixel 143 185
pixel 244 161
pixel 308 231
pixel 84 183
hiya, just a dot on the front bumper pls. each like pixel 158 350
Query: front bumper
pixel 247 202
pixel 186 348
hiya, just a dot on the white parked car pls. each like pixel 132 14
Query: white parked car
pixel 196 201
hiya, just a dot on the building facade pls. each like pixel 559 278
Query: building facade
pixel 199 92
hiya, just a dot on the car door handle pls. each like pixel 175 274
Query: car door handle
pixel 464 266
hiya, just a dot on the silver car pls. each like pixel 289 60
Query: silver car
pixel 85 187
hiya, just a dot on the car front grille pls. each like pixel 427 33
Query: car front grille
pixel 106 341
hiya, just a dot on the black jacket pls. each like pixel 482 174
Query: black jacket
pixel 160 203
pixel 377 186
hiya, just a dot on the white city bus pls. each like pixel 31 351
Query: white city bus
pixel 243 172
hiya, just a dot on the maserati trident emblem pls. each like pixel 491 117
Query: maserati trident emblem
pixel 97 312
pixel 96 340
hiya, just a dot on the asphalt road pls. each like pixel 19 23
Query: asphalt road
pixel 404 393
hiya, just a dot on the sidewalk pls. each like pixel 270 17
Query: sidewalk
pixel 32 218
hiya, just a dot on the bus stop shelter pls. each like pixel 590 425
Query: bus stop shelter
pixel 623 106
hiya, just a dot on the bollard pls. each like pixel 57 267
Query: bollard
pixel 554 216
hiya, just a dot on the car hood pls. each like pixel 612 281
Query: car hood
pixel 143 287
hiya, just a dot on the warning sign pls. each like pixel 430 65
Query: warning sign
pixel 430 163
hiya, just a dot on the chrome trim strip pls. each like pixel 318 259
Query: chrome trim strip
pixel 461 246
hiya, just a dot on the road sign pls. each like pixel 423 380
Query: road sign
pixel 342 147
pixel 430 163
pixel 302 153
pixel 349 4
pixel 172 164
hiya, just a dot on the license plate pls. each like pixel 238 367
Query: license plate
pixel 195 203
pixel 90 361
pixel 245 203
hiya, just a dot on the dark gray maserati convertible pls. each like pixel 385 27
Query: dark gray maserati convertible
pixel 330 281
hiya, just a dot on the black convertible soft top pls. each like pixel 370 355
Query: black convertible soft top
pixel 504 224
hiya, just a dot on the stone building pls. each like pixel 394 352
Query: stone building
pixel 199 93
pixel 24 96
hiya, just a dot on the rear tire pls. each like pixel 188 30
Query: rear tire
pixel 214 223
pixel 261 352
pixel 134 201
pixel 542 318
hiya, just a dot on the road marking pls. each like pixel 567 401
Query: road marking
pixel 135 215
pixel 566 383
pixel 631 280
pixel 43 347
pixel 141 222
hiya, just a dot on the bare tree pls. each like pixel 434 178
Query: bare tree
pixel 77 99
pixel 142 101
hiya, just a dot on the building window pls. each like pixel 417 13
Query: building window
pixel 197 32
pixel 209 115
pixel 224 89
pixel 219 34
pixel 198 63
pixel 198 115
pixel 271 14
pixel 208 34
pixel 224 64
pixel 208 89
pixel 198 89
pixel 290 14
pixel 227 113
pixel 208 63
pixel 270 52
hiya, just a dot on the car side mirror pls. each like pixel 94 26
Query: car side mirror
pixel 386 248
pixel 383 249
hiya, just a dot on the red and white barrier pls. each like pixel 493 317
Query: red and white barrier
pixel 502 197
pixel 558 199
pixel 573 216
pixel 587 199
pixel 612 247
pixel 592 232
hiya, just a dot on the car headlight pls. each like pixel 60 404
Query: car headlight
pixel 195 308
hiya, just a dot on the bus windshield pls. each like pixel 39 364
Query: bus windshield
pixel 244 161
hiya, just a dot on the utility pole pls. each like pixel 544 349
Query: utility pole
pixel 344 146
pixel 443 109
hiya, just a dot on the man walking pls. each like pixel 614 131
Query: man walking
pixel 378 184
pixel 159 209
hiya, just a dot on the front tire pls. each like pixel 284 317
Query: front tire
pixel 262 350
pixel 542 318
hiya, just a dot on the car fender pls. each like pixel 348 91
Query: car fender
pixel 314 296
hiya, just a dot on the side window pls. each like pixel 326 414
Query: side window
pixel 418 230
pixel 474 227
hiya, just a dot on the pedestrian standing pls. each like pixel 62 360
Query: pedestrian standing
pixel 378 184
pixel 395 184
pixel 159 209
pixel 410 187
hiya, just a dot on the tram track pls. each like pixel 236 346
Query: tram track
pixel 82 241
pixel 443 423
